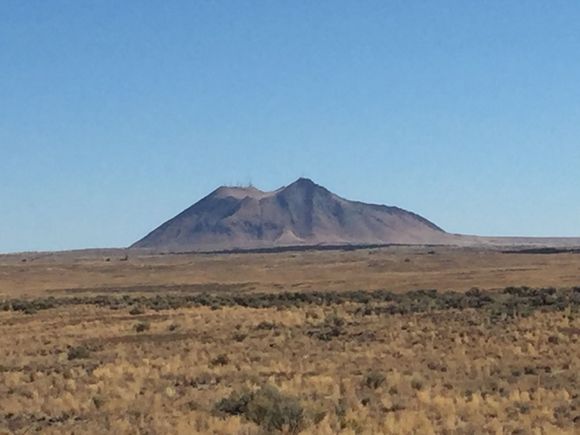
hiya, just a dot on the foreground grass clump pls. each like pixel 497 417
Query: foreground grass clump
pixel 267 407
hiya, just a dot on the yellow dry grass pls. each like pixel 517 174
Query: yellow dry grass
pixel 455 372
pixel 446 372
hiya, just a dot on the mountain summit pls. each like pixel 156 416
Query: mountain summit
pixel 302 213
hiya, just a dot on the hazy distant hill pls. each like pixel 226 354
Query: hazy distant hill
pixel 302 213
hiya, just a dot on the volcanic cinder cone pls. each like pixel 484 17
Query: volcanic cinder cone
pixel 302 213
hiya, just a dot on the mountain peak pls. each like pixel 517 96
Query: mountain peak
pixel 302 213
pixel 304 183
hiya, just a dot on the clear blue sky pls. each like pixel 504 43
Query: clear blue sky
pixel 116 115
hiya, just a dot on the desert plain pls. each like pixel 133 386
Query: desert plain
pixel 396 340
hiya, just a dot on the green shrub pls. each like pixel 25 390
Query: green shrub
pixel 331 327
pixel 275 411
pixel 374 380
pixel 239 336
pixel 135 311
pixel 509 303
pixel 236 404
pixel 265 326
pixel 30 310
pixel 417 384
pixel 220 360
pixel 267 407
pixel 98 401
pixel 78 352
pixel 142 326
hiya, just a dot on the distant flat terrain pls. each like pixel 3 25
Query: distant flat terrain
pixel 396 268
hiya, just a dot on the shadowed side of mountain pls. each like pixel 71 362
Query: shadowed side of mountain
pixel 302 213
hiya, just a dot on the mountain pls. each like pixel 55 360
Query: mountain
pixel 302 213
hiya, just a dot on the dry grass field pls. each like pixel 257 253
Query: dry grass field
pixel 394 268
pixel 296 342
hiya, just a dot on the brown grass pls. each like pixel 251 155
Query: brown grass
pixel 385 268
pixel 90 369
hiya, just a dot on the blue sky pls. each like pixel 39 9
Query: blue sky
pixel 115 116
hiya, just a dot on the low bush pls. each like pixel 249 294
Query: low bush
pixel 239 336
pixel 142 326
pixel 135 311
pixel 220 360
pixel 267 407
pixel 509 303
pixel 332 327
pixel 374 380
pixel 265 325
pixel 78 352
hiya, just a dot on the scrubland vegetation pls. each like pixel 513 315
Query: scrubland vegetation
pixel 351 362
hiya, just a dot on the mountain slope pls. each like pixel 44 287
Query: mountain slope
pixel 302 213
